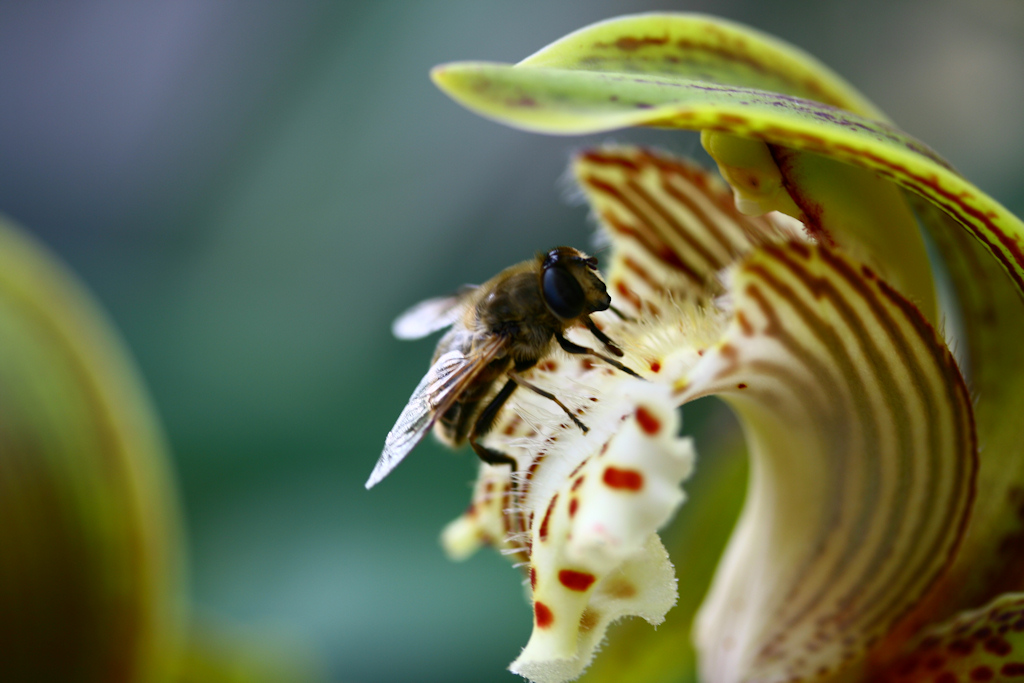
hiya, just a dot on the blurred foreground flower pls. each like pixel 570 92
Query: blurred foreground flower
pixel 804 297
pixel 92 564
pixel 90 551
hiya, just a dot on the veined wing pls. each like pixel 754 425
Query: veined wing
pixel 440 388
pixel 431 315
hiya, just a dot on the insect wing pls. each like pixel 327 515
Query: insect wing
pixel 439 389
pixel 431 315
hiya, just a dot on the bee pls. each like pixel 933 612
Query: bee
pixel 499 330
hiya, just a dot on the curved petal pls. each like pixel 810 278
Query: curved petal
pixel 838 203
pixel 696 45
pixel 896 418
pixel 991 324
pixel 563 98
pixel 863 465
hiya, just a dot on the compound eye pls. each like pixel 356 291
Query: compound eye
pixel 563 293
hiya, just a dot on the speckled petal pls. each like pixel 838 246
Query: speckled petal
pixel 484 522
pixel 594 556
pixel 983 645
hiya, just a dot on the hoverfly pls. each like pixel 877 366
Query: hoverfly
pixel 499 329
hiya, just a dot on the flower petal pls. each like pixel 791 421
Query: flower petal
pixel 594 554
pixel 863 465
pixel 700 46
pixel 695 539
pixel 986 644
pixel 719 82
pixel 583 516
pixel 840 205
pixel 674 225
pixel 485 522
pixel 991 317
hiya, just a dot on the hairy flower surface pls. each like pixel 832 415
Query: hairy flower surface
pixel 803 296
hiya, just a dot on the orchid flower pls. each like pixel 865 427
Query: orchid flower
pixel 886 483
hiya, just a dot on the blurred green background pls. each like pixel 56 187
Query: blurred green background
pixel 255 189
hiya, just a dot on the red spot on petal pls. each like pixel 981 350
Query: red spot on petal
pixel 619 588
pixel 576 581
pixel 629 295
pixel 589 619
pixel 906 667
pixel 650 424
pixel 998 646
pixel 1012 669
pixel 616 478
pixel 533 578
pixel 744 324
pixel 542 615
pixel 655 366
pixel 741 385
pixel 573 504
pixel 631 43
pixel 547 517
pixel 576 484
pixel 982 673
pixel 513 424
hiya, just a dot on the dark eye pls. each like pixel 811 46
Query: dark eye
pixel 563 293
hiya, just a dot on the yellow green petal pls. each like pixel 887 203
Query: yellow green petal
pixel 696 45
pixel 838 203
pixel 565 96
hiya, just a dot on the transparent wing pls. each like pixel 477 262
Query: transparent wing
pixel 439 389
pixel 431 315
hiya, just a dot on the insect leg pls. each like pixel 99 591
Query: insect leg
pixel 622 316
pixel 603 338
pixel 484 423
pixel 548 395
pixel 570 347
